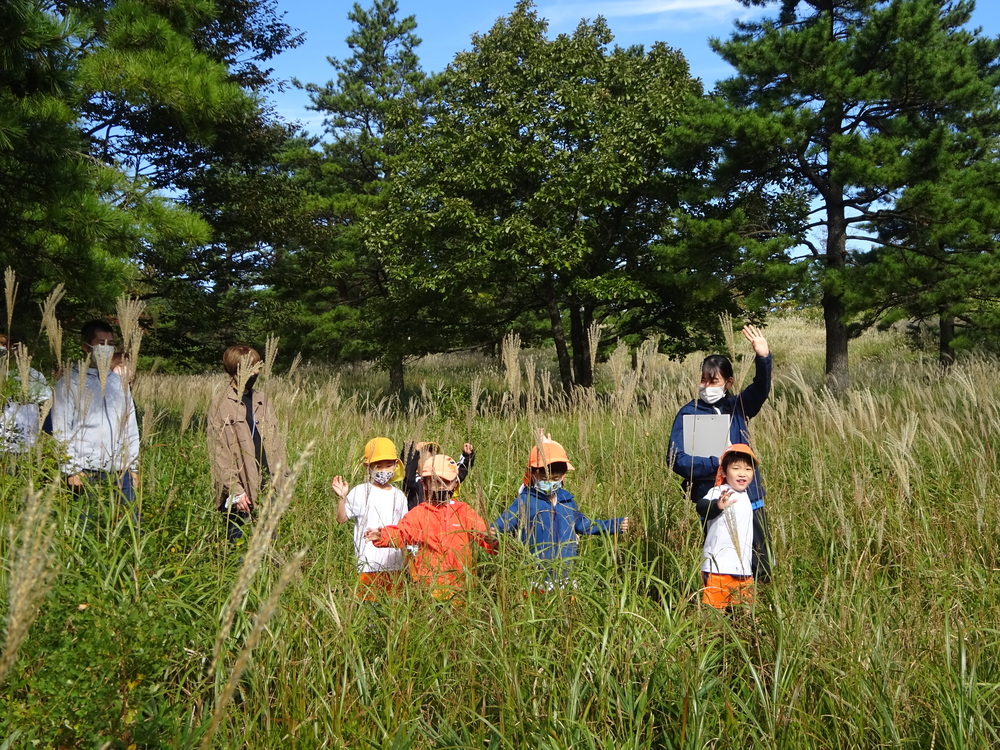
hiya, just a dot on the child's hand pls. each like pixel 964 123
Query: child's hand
pixel 340 486
pixel 372 535
pixel 726 499
pixel 756 338
pixel 467 448
pixel 626 525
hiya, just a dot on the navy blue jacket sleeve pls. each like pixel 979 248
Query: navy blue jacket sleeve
pixel 707 509
pixel 586 525
pixel 465 464
pixel 508 520
pixel 689 467
pixel 751 399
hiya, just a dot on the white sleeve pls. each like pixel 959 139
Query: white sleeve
pixel 64 422
pixel 131 432
pixel 354 505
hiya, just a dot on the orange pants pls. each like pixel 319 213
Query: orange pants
pixel 375 586
pixel 723 591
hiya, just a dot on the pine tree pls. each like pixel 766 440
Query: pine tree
pixel 840 99
pixel 338 302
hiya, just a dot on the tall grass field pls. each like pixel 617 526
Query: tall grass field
pixel 881 627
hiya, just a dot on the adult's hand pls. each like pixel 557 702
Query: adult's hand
pixel 756 338
pixel 242 503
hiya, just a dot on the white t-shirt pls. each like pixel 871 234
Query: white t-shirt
pixel 731 529
pixel 372 507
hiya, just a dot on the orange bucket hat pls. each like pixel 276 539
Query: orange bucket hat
pixel 441 466
pixel 740 448
pixel 548 452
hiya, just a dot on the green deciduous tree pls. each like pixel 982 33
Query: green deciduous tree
pixel 842 99
pixel 560 176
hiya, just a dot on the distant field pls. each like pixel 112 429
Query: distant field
pixel 881 628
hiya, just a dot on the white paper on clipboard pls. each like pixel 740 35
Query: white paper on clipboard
pixel 706 434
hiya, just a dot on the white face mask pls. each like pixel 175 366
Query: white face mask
pixel 711 394
pixel 102 352
pixel 549 486
pixel 383 477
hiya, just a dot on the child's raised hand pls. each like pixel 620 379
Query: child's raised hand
pixel 372 535
pixel 467 448
pixel 756 338
pixel 340 486
pixel 726 499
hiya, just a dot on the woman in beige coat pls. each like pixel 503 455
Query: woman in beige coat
pixel 245 445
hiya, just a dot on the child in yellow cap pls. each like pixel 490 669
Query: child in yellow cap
pixel 373 504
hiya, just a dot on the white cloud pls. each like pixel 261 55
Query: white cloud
pixel 628 8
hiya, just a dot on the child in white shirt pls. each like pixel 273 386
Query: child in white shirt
pixel 727 556
pixel 374 504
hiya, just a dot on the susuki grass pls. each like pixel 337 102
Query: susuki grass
pixel 880 629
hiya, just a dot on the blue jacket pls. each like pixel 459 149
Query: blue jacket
pixel 550 525
pixel 699 471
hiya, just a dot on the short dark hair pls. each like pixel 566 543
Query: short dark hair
pixel 730 458
pixel 716 364
pixel 93 327
pixel 556 467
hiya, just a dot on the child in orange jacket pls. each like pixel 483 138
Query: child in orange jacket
pixel 443 531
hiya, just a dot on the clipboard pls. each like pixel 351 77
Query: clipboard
pixel 706 434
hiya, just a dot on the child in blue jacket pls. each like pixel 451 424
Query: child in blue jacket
pixel 546 515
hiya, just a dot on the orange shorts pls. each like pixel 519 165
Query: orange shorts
pixel 722 591
pixel 375 586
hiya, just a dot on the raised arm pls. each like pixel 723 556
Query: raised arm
pixel 752 398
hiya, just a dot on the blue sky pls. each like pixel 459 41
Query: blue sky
pixel 445 26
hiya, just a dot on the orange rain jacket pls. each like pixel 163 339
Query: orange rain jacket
pixel 445 535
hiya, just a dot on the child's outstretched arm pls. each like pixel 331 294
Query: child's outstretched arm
pixel 585 525
pixel 508 521
pixel 708 506
pixel 478 533
pixel 339 486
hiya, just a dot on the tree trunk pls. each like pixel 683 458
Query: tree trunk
pixel 396 384
pixel 946 331
pixel 838 374
pixel 579 331
pixel 562 354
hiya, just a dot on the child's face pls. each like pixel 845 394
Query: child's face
pixel 439 491
pixel 739 474
pixel 382 465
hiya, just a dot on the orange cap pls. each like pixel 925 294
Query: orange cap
pixel 744 450
pixel 549 452
pixel 441 466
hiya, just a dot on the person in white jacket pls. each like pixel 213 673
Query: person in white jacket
pixel 21 419
pixel 93 416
